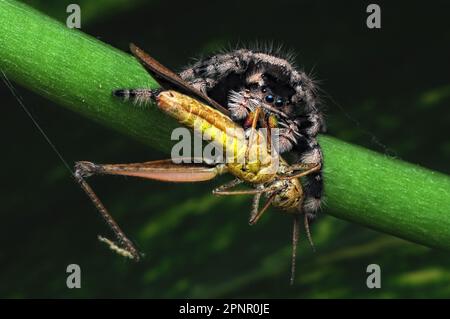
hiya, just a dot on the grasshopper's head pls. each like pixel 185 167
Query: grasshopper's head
pixel 288 194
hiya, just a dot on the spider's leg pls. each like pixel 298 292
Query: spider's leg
pixel 207 73
pixel 308 233
pixel 295 235
pixel 137 96
pixel 311 154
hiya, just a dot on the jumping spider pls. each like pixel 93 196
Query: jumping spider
pixel 240 81
pixel 255 89
pixel 243 78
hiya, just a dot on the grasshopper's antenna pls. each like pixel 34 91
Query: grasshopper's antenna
pixel 308 233
pixel 295 233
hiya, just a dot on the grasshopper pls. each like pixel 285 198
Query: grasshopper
pixel 262 168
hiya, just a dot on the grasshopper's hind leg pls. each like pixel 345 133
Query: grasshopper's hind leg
pixel 164 170
pixel 124 247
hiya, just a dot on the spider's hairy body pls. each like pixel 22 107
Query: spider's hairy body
pixel 243 79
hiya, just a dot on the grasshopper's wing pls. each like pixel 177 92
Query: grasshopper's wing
pixel 170 80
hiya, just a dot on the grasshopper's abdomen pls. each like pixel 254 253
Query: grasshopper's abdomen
pixel 261 167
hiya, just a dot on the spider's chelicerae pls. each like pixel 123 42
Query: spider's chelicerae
pixel 243 78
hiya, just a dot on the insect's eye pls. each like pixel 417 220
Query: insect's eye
pixel 269 98
pixel 279 102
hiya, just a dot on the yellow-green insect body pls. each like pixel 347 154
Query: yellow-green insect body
pixel 261 165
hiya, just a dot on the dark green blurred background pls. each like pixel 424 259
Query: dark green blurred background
pixel 390 85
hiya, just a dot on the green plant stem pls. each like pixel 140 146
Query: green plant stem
pixel 79 72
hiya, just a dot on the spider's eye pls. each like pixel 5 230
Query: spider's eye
pixel 269 98
pixel 279 102
pixel 263 89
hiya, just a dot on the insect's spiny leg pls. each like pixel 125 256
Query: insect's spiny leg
pixel 302 166
pixel 258 215
pixel 255 119
pixel 269 137
pixel 245 191
pixel 308 233
pixel 231 184
pixel 295 235
pixel 255 206
pixel 137 96
pixel 315 168
pixel 85 169
pixel 120 235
